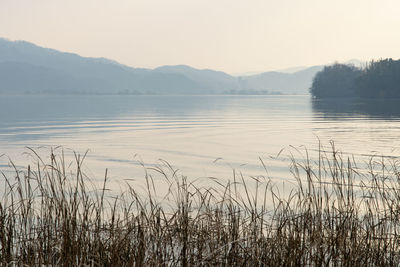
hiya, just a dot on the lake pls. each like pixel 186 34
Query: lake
pixel 202 136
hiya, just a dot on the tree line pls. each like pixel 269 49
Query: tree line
pixel 378 79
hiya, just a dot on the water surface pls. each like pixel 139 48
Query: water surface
pixel 200 135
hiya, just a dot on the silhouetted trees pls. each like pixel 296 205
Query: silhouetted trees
pixel 379 79
pixel 337 80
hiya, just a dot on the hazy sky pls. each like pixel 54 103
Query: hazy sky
pixel 229 35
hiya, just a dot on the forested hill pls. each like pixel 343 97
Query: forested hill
pixel 378 79
pixel 28 68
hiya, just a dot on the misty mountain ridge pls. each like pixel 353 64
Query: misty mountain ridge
pixel 28 68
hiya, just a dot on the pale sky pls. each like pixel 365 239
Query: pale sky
pixel 229 35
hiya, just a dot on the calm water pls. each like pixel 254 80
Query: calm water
pixel 200 135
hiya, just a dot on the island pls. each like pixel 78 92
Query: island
pixel 378 79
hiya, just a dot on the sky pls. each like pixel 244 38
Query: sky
pixel 234 36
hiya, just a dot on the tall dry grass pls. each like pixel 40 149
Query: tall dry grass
pixel 335 214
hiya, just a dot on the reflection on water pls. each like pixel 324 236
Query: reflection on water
pixel 362 127
pixel 191 132
pixel 354 107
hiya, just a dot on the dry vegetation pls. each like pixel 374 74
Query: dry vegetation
pixel 334 215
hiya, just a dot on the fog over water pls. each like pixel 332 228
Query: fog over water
pixel 199 135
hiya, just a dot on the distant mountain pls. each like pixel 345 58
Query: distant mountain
pixel 293 69
pixel 209 81
pixel 20 78
pixel 285 83
pixel 27 68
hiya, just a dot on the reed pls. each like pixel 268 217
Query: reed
pixel 336 214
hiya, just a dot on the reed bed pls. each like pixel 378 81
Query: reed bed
pixel 334 215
